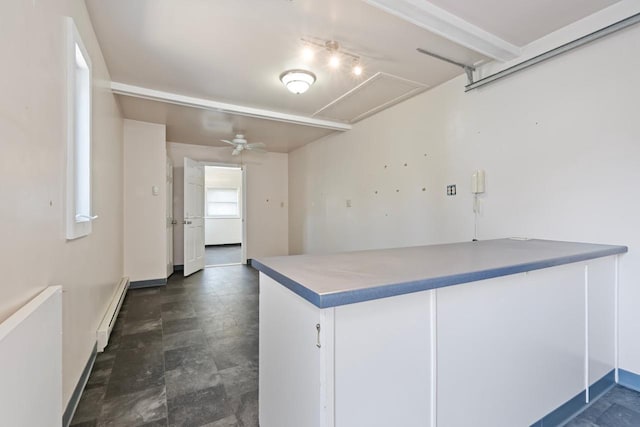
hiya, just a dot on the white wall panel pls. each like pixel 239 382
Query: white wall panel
pixel 558 143
pixel 33 122
pixel 222 231
pixel 601 303
pixel 510 349
pixel 145 239
pixel 382 361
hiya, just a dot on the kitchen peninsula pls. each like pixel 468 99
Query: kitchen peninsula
pixel 492 333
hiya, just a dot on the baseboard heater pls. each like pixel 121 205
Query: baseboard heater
pixel 104 331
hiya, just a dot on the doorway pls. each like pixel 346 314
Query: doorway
pixel 223 222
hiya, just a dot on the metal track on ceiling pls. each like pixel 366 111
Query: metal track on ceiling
pixel 591 37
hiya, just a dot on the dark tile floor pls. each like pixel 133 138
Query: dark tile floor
pixel 223 254
pixel 185 354
pixel 619 407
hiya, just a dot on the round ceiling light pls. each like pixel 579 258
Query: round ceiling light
pixel 297 81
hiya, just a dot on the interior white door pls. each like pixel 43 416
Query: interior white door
pixel 193 216
pixel 169 216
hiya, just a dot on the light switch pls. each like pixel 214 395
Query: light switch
pixel 155 190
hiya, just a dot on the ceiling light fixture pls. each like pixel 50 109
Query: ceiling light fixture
pixel 297 81
pixel 334 51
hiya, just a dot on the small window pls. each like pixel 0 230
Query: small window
pixel 78 212
pixel 223 203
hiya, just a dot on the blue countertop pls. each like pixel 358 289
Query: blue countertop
pixel 346 278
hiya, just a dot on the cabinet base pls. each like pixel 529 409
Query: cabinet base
pixel 577 403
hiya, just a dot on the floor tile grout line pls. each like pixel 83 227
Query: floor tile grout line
pixel 161 297
pixel 164 366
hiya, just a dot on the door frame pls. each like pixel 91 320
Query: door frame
pixel 243 213
pixel 170 229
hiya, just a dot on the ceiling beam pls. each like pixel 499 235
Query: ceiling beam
pixel 451 27
pixel 223 107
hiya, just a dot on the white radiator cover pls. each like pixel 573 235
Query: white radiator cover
pixel 109 320
pixel 31 363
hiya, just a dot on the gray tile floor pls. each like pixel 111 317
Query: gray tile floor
pixel 181 355
pixel 223 254
pixel 187 355
pixel 619 407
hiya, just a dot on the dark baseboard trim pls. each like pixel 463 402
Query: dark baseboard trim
pixel 223 244
pixel 179 267
pixel 147 283
pixel 575 405
pixel 629 379
pixel 77 392
pixel 250 262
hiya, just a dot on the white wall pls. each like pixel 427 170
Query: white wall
pixel 33 248
pixel 145 242
pixel 223 231
pixel 266 195
pixel 559 143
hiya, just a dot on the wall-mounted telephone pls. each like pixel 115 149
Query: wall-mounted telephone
pixel 477 182
pixel 477 187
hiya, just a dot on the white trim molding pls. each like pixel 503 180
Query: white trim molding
pixel 207 104
pixel 439 21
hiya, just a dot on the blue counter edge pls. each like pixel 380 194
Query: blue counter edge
pixel 577 404
pixel 384 291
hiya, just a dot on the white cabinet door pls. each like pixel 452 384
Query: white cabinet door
pixel 511 349
pixel 290 359
pixel 193 216
pixel 383 362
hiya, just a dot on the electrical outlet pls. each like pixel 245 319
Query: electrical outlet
pixel 348 203
pixel 451 190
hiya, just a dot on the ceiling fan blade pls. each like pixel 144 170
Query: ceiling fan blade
pixel 236 152
pixel 256 145
pixel 229 142
pixel 257 149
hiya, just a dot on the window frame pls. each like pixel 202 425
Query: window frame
pixel 237 203
pixel 79 151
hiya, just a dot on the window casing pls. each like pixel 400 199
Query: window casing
pixel 78 183
pixel 222 203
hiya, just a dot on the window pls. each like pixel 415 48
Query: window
pixel 222 203
pixel 78 186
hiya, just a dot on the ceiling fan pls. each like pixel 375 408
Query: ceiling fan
pixel 240 144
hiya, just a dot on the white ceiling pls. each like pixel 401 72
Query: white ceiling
pixel 207 127
pixel 521 22
pixel 234 50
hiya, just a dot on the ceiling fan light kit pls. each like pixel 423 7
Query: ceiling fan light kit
pixel 297 81
pixel 240 144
